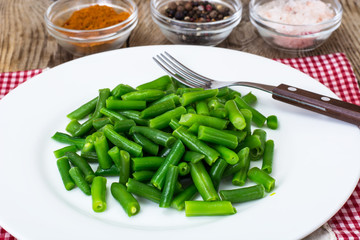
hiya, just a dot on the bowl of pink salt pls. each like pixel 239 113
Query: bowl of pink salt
pixel 295 25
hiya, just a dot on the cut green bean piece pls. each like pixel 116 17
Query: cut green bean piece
pixel 127 201
pixel 243 194
pixel 194 96
pixel 82 164
pixel 143 190
pixel 249 98
pixel 79 180
pixel 64 167
pixel 219 113
pixel 147 163
pixel 188 194
pixel 228 155
pixel 260 177
pixel 157 109
pixel 232 94
pixel 239 134
pixel 182 90
pixel 172 158
pixel 110 172
pixel 148 146
pixel 172 96
pixel 268 156
pixel 89 144
pixel 215 103
pixel 216 208
pixel 84 110
pixel 174 124
pixel 196 145
pixel 184 169
pixel 240 177
pixel 61 152
pixel 124 167
pixel 169 186
pixel 243 159
pixel 144 95
pixel 190 109
pixel 164 119
pixel 67 139
pixel 189 119
pixel 216 136
pixel 122 142
pixel 121 89
pixel 112 114
pixel 235 115
pixel 224 91
pixel 123 125
pixel 143 176
pixel 98 194
pixel 257 152
pixel 248 119
pixel 90 157
pixel 203 182
pixel 114 104
pixel 257 117
pixel 193 157
pixel 72 126
pixel 155 135
pixel 160 83
pixel 202 108
pixel 194 129
pixel 216 172
pixel 101 122
pixel 135 115
pixel 272 122
pixel 114 154
pixel 102 148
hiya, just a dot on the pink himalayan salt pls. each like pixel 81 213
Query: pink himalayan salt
pixel 294 13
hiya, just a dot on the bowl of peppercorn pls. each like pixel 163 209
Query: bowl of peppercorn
pixel 196 22
pixel 85 27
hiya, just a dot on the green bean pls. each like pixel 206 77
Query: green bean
pixel 147 163
pixel 169 186
pixel 72 126
pixel 124 167
pixel 144 95
pixel 123 143
pixel 135 115
pixel 98 194
pixel 160 83
pixel 203 182
pixel 215 103
pixel 240 176
pixel 216 171
pixel 184 169
pixel 252 142
pixel 148 146
pixel 157 109
pixel 260 177
pixel 82 164
pixel 249 98
pixel 221 113
pixel 79 180
pixel 272 122
pixel 143 190
pixel 114 104
pixel 182 90
pixel 112 114
pixel 100 122
pixel 189 119
pixel 127 201
pixel 196 145
pixel 155 135
pixel 202 108
pixel 239 134
pixel 268 156
pixel 114 154
pixel 248 119
pixel 172 158
pixel 123 125
pixel 64 167
pixel 143 176
pixel 216 208
pixel 194 129
pixel 172 96
pixel 164 119
pixel 61 152
pixel 216 136
pixel 67 139
pixel 174 124
pixel 224 91
pixel 102 148
pixel 257 118
pixel 110 172
pixel 235 115
pixel 90 157
pixel 84 110
pixel 193 157
pixel 191 97
pixel 164 152
pixel 89 144
pixel 257 153
pixel 228 155
pixel 188 194
pixel 232 94
pixel 243 194
pixel 121 89
pixel 243 159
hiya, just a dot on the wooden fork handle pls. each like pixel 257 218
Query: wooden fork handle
pixel 318 103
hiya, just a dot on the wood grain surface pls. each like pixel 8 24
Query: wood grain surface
pixel 25 44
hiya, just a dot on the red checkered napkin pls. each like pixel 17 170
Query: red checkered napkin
pixel 333 70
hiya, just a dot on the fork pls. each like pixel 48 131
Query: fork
pixel 292 95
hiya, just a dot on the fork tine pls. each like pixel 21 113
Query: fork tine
pixel 194 74
pixel 183 73
pixel 187 83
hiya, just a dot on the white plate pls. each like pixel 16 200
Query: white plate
pixel 316 158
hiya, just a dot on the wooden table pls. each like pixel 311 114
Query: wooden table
pixel 25 44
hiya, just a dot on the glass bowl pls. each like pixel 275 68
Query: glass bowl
pixel 295 37
pixel 85 42
pixel 197 33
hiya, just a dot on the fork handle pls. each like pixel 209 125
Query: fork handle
pixel 318 103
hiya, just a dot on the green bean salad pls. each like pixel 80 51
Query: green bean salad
pixel 169 144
